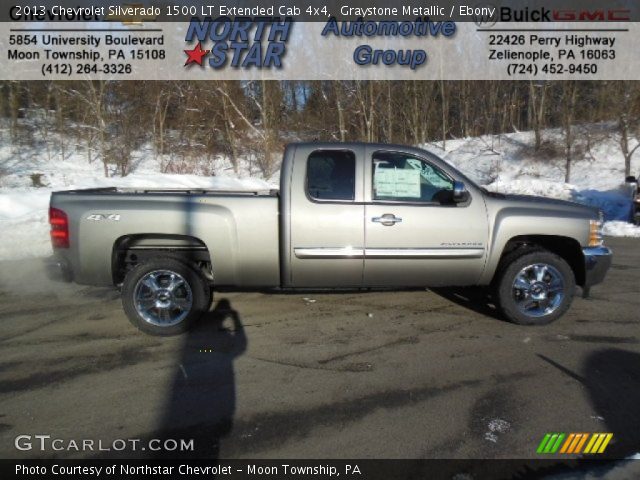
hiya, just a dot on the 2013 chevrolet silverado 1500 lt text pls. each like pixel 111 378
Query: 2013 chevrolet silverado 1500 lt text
pixel 346 216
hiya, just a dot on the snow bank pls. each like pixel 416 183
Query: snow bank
pixel 615 205
pixel 541 188
pixel 621 229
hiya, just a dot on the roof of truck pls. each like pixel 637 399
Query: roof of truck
pixel 381 146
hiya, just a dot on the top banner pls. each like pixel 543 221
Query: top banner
pixel 476 11
pixel 320 41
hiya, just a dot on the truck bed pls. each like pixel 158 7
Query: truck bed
pixel 240 229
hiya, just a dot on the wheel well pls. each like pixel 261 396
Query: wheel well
pixel 130 250
pixel 565 247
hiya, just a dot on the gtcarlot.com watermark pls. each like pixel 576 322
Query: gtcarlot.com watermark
pixel 48 443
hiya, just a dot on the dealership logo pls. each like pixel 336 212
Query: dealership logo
pixel 574 443
pixel 243 43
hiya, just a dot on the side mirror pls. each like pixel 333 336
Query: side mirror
pixel 631 179
pixel 460 193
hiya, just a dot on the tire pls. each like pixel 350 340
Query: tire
pixel 535 287
pixel 164 296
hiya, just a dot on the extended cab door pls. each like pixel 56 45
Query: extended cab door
pixel 326 217
pixel 415 234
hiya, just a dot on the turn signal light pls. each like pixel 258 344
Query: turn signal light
pixel 595 233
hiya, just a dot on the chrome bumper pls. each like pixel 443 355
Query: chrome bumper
pixel 597 261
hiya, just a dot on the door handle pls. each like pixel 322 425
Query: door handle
pixel 388 219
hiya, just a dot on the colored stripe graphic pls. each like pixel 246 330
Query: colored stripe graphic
pixel 606 442
pixel 566 445
pixel 573 443
pixel 596 445
pixel 578 441
pixel 598 442
pixel 578 448
pixel 543 443
pixel 551 443
pixel 556 446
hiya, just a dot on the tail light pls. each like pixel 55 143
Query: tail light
pixel 59 228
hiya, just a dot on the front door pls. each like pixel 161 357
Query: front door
pixel 415 234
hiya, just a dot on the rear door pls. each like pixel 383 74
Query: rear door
pixel 327 217
pixel 415 234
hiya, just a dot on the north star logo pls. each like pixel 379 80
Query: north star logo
pixel 241 43
pixel 195 55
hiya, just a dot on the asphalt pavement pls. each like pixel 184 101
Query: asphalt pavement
pixel 409 374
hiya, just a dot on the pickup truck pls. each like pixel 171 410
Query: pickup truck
pixel 346 216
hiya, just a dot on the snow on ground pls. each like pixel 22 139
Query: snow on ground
pixel 504 163
pixel 621 229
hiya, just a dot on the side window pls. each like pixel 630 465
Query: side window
pixel 401 177
pixel 331 175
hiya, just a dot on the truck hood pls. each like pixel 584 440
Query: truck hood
pixel 542 203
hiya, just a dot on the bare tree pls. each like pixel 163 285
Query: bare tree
pixel 444 107
pixel 628 112
pixel 537 97
pixel 568 106
pixel 91 95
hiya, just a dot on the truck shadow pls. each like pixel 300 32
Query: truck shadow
pixel 476 299
pixel 202 398
pixel 611 377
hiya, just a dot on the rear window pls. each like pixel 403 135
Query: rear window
pixel 331 175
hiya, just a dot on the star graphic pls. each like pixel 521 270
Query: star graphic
pixel 195 55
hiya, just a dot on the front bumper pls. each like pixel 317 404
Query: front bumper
pixel 597 261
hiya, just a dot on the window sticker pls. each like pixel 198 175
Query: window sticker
pixel 391 182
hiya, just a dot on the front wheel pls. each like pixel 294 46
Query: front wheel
pixel 535 288
pixel 164 296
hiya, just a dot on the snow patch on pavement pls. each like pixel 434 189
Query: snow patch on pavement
pixel 495 427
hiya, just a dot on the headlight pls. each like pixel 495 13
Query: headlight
pixel 595 231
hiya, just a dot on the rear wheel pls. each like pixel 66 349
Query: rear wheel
pixel 164 296
pixel 535 288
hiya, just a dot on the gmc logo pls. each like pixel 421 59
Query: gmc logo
pixel 592 15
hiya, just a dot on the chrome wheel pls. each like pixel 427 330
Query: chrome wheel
pixel 163 298
pixel 538 290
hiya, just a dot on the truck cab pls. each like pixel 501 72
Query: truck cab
pixel 378 216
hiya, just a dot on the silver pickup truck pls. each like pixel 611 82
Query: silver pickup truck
pixel 346 216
